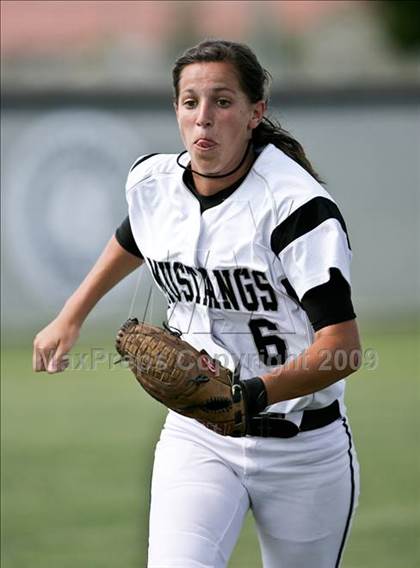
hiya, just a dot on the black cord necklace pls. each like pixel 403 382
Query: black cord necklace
pixel 215 176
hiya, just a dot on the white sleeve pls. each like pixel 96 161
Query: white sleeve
pixel 309 242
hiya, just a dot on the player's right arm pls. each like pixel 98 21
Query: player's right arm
pixel 52 343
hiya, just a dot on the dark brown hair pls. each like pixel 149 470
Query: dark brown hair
pixel 255 82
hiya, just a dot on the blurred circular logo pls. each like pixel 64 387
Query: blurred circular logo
pixel 64 195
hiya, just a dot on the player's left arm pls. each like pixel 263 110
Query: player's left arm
pixel 334 354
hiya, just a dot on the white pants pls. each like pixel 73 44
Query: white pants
pixel 302 492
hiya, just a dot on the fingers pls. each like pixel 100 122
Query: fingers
pixel 41 357
pixel 59 360
pixel 50 359
pixel 52 344
pixel 37 363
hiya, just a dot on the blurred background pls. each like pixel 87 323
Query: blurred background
pixel 86 89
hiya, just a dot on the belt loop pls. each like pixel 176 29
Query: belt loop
pixel 264 426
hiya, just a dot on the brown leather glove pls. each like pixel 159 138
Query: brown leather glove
pixel 185 380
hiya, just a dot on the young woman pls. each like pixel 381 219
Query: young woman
pixel 253 256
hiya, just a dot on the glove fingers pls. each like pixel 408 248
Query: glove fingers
pixel 184 379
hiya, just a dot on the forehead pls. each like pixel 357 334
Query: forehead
pixel 215 75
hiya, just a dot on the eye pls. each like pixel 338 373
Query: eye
pixel 224 103
pixel 189 103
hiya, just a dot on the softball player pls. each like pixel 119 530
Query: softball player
pixel 253 257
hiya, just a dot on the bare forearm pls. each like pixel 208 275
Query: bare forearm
pixel 113 265
pixel 318 366
pixel 53 342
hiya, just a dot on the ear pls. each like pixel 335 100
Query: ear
pixel 257 114
pixel 175 103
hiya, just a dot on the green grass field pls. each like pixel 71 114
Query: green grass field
pixel 77 450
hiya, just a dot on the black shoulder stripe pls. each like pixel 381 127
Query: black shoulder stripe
pixel 303 220
pixel 142 159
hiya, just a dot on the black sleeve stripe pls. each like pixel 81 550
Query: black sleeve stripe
pixel 329 303
pixel 142 159
pixel 124 236
pixel 303 220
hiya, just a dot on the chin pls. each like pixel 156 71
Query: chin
pixel 205 163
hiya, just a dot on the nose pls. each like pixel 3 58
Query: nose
pixel 204 115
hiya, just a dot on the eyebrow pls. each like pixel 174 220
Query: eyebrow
pixel 215 90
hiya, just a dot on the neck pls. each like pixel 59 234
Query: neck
pixel 210 186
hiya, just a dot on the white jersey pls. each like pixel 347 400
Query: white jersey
pixel 234 275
